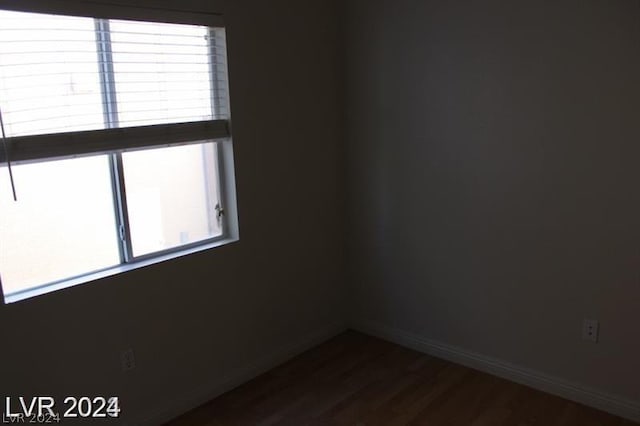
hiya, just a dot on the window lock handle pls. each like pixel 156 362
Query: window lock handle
pixel 219 211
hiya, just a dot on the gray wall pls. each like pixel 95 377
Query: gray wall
pixel 493 203
pixel 193 320
pixel 493 178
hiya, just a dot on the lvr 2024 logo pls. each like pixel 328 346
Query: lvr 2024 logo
pixel 42 409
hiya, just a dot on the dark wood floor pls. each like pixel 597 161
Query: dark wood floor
pixel 358 380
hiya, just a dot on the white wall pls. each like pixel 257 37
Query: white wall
pixel 194 321
pixel 493 179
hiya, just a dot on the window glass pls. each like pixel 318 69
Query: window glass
pixel 162 72
pixel 49 79
pixel 62 225
pixel 172 195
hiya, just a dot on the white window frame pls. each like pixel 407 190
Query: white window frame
pixel 113 141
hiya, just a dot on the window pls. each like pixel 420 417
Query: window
pixel 116 144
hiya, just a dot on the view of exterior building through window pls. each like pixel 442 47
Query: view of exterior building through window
pixel 172 195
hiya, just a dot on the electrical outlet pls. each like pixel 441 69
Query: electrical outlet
pixel 590 330
pixel 128 360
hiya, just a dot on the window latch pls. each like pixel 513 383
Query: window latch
pixel 219 211
pixel 121 229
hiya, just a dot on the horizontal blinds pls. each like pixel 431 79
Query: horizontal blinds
pixel 167 73
pixel 117 9
pixel 49 79
pixel 61 74
pixel 71 144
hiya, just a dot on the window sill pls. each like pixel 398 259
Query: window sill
pixel 28 294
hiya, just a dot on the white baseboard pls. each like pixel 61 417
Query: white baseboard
pixel 610 403
pixel 233 379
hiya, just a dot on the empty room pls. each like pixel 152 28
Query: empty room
pixel 320 212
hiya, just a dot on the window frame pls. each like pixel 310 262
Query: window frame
pixel 114 141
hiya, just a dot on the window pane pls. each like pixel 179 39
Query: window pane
pixel 162 72
pixel 172 194
pixel 49 79
pixel 62 225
